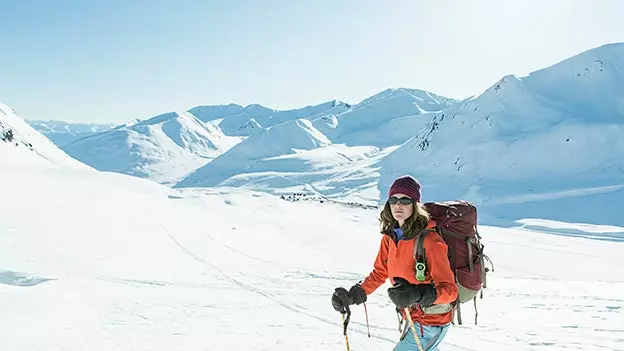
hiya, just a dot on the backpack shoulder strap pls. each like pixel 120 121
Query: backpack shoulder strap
pixel 420 254
pixel 419 247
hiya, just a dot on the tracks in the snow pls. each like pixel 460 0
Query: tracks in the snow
pixel 265 294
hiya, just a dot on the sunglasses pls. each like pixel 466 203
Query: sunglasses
pixel 403 200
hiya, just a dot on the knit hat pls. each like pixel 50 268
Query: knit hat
pixel 406 185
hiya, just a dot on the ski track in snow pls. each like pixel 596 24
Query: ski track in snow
pixel 294 308
pixel 600 306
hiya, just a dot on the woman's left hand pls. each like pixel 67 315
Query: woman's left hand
pixel 404 294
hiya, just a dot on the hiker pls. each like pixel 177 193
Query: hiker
pixel 429 291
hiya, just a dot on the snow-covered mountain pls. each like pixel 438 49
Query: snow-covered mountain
pixel 297 152
pixel 164 148
pixel 62 133
pixel 168 147
pixel 254 118
pixel 286 138
pixel 538 143
pixel 534 144
pixel 21 145
pixel 386 119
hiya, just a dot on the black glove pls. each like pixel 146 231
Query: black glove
pixel 343 298
pixel 357 294
pixel 428 294
pixel 404 294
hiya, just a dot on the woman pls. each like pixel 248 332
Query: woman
pixel 429 299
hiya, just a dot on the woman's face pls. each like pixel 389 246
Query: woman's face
pixel 401 206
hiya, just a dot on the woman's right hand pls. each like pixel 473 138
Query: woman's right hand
pixel 343 298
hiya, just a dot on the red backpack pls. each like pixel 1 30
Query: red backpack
pixel 457 224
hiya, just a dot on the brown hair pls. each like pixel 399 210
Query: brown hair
pixel 413 225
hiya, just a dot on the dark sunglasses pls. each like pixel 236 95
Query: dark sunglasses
pixel 403 200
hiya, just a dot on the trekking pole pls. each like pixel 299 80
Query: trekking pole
pixel 411 323
pixel 345 322
pixel 366 313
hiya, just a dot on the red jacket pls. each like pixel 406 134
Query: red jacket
pixel 397 260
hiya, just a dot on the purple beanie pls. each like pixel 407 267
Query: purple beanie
pixel 406 185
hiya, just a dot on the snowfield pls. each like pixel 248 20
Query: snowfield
pixel 106 261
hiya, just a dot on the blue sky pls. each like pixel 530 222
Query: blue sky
pixel 115 60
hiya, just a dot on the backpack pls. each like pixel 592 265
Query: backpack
pixel 457 225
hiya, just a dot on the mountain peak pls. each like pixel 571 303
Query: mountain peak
pixel 208 113
pixel 426 101
pixel 160 118
pixel 164 148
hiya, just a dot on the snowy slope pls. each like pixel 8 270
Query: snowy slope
pixel 62 133
pixel 20 144
pixel 111 262
pixel 164 148
pixel 386 119
pixel 332 172
pixel 556 134
pixel 285 138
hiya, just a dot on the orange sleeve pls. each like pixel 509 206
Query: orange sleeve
pixel 436 252
pixel 380 269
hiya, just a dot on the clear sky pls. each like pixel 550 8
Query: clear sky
pixel 111 61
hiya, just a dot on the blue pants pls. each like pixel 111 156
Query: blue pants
pixel 430 341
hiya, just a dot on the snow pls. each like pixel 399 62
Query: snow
pixel 164 148
pixel 330 172
pixel 279 158
pixel 518 139
pixel 21 145
pixel 280 139
pixel 579 82
pixel 386 119
pixel 525 147
pixel 255 118
pixel 107 261
pixel 168 147
pixel 540 146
